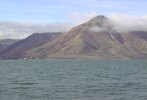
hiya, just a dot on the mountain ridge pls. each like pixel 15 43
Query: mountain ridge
pixel 18 49
pixel 4 43
pixel 93 39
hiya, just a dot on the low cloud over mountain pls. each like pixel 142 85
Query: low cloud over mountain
pixel 10 29
pixel 100 37
pixel 124 23
pixel 120 23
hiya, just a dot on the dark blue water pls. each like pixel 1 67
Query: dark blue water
pixel 73 80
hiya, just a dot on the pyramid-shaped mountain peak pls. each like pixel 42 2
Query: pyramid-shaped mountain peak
pixel 98 18
pixel 99 21
pixel 92 39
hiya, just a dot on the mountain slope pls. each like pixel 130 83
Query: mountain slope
pixel 93 39
pixel 19 49
pixel 4 43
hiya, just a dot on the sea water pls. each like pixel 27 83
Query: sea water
pixel 71 79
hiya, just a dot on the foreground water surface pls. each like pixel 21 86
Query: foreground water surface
pixel 73 80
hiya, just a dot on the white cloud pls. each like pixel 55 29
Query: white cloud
pixel 124 23
pixel 10 29
pixel 121 22
pixel 95 29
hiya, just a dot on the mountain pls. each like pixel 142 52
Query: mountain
pixel 19 48
pixel 4 43
pixel 95 39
